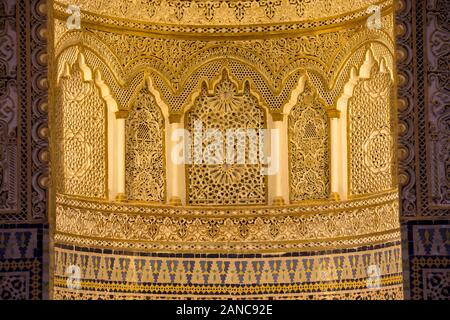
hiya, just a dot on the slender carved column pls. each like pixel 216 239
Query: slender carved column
pixel 341 135
pixel 335 153
pixel 119 155
pixel 175 165
pixel 277 151
pixel 342 155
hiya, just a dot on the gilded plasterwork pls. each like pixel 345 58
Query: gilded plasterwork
pixel 157 276
pixel 370 137
pixel 272 64
pixel 214 179
pixel 266 48
pixel 93 293
pixel 308 134
pixel 224 12
pixel 81 126
pixel 145 178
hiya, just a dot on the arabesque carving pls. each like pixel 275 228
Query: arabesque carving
pixel 309 143
pixel 145 176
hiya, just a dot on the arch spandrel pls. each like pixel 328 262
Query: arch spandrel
pixel 274 85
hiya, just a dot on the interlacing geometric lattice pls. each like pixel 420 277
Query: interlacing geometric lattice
pixel 145 178
pixel 308 148
pixel 226 183
pixel 81 122
pixel 370 134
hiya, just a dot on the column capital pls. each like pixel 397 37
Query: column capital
pixel 175 118
pixel 334 113
pixel 277 116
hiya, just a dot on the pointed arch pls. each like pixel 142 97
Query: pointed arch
pixel 368 120
pixel 145 134
pixel 221 106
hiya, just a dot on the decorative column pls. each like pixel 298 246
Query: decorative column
pixel 336 153
pixel 276 157
pixel 119 167
pixel 175 167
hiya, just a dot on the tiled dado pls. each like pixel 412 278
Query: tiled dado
pixel 348 273
pixel 21 266
pixel 429 263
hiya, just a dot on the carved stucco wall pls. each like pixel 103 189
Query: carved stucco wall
pixel 23 150
pixel 424 133
pixel 254 75
pixel 424 203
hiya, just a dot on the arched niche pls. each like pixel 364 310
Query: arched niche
pixel 309 146
pixel 366 130
pixel 212 176
pixel 145 144
pixel 86 132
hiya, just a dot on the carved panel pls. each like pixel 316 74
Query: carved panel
pixel 145 177
pixel 256 229
pixel 218 12
pixel 241 182
pixel 8 111
pixel 23 149
pixel 82 137
pixel 438 101
pixel 309 148
pixel 370 137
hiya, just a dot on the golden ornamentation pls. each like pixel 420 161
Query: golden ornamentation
pixel 145 177
pixel 219 229
pixel 95 293
pixel 239 8
pixel 272 64
pixel 81 135
pixel 223 12
pixel 226 183
pixel 370 134
pixel 300 5
pixel 210 8
pixel 309 148
pixel 230 64
pixel 219 247
pixel 270 7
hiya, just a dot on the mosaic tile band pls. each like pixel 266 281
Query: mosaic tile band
pixel 105 274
